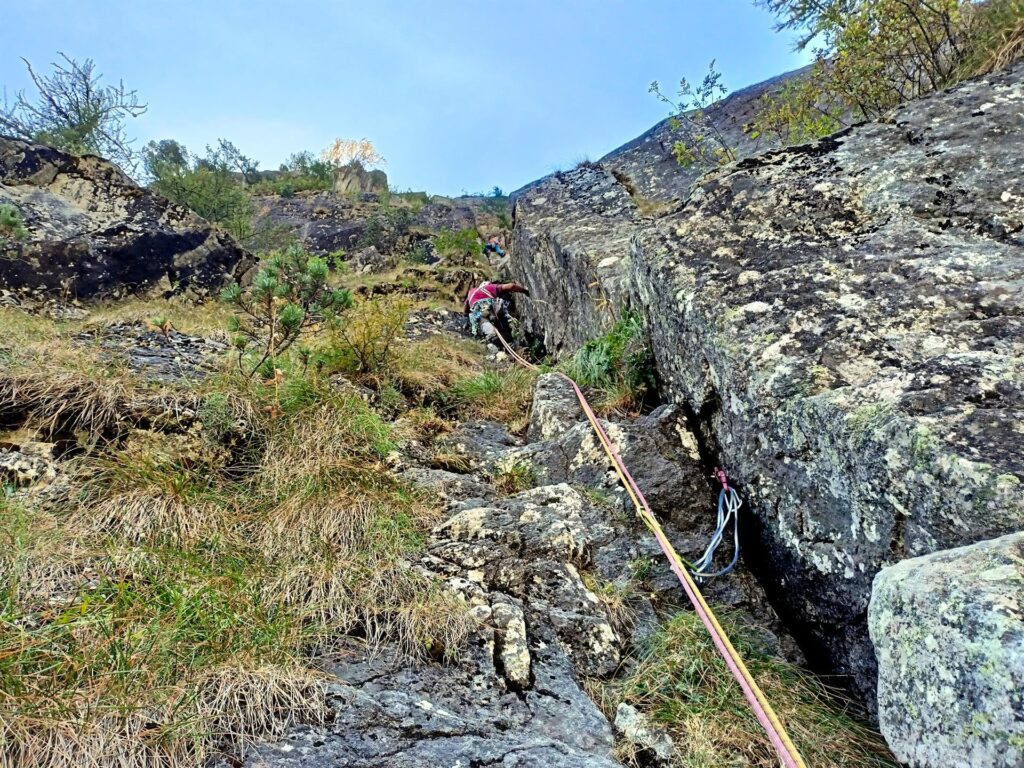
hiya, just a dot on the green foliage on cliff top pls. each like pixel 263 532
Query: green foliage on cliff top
pixel 870 56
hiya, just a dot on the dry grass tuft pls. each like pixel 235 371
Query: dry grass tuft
pixel 383 602
pixel 238 705
pixel 683 684
pixel 56 395
pixel 228 709
pixel 459 463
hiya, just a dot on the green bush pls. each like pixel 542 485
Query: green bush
pixel 367 341
pixel 209 184
pixel 873 55
pixel 618 365
pixel 11 225
pixel 465 242
pixel 288 297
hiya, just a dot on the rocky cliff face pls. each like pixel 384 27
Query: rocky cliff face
pixel 325 223
pixel 92 232
pixel 843 319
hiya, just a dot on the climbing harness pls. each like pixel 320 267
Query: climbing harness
pixel 773 727
pixel 729 503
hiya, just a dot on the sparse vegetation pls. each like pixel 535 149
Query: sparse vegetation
pixel 683 684
pixel 288 297
pixel 870 56
pixel 11 225
pixel 514 476
pixel 701 140
pixel 74 111
pixel 206 184
pixel 618 367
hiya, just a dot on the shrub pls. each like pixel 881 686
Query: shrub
pixel 700 141
pixel 464 242
pixel 289 296
pixel 619 365
pixel 206 184
pixel 876 54
pixel 11 225
pixel 75 112
pixel 366 342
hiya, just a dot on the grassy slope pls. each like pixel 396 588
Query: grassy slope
pixel 169 605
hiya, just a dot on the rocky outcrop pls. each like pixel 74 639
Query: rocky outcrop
pixel 547 572
pixel 949 632
pixel 355 179
pixel 326 223
pixel 93 233
pixel 844 320
pixel 570 247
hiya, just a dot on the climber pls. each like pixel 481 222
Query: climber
pixel 492 246
pixel 487 309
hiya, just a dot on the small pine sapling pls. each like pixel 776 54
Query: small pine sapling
pixel 287 298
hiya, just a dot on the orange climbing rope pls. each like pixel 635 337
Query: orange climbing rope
pixel 774 728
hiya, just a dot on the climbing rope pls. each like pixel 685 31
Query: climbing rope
pixel 728 500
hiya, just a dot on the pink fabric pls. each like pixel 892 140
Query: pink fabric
pixel 488 291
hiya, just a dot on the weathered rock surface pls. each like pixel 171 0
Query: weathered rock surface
pixel 355 179
pixel 546 571
pixel 164 357
pixel 326 223
pixel 844 319
pixel 92 232
pixel 570 247
pixel 948 629
pixel 650 742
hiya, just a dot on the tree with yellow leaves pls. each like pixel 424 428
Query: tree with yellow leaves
pixel 343 152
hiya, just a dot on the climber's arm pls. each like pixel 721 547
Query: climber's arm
pixel 513 288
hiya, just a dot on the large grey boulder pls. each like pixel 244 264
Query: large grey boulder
pixel 93 232
pixel 948 630
pixel 844 320
pixel 569 247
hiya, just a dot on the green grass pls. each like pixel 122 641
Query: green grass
pixel 167 607
pixel 514 476
pixel 617 367
pixel 682 683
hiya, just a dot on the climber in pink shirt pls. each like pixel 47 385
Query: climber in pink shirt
pixel 486 309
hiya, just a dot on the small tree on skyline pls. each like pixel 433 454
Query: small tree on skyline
pixel 343 152
pixel 74 111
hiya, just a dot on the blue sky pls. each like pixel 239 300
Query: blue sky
pixel 458 95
